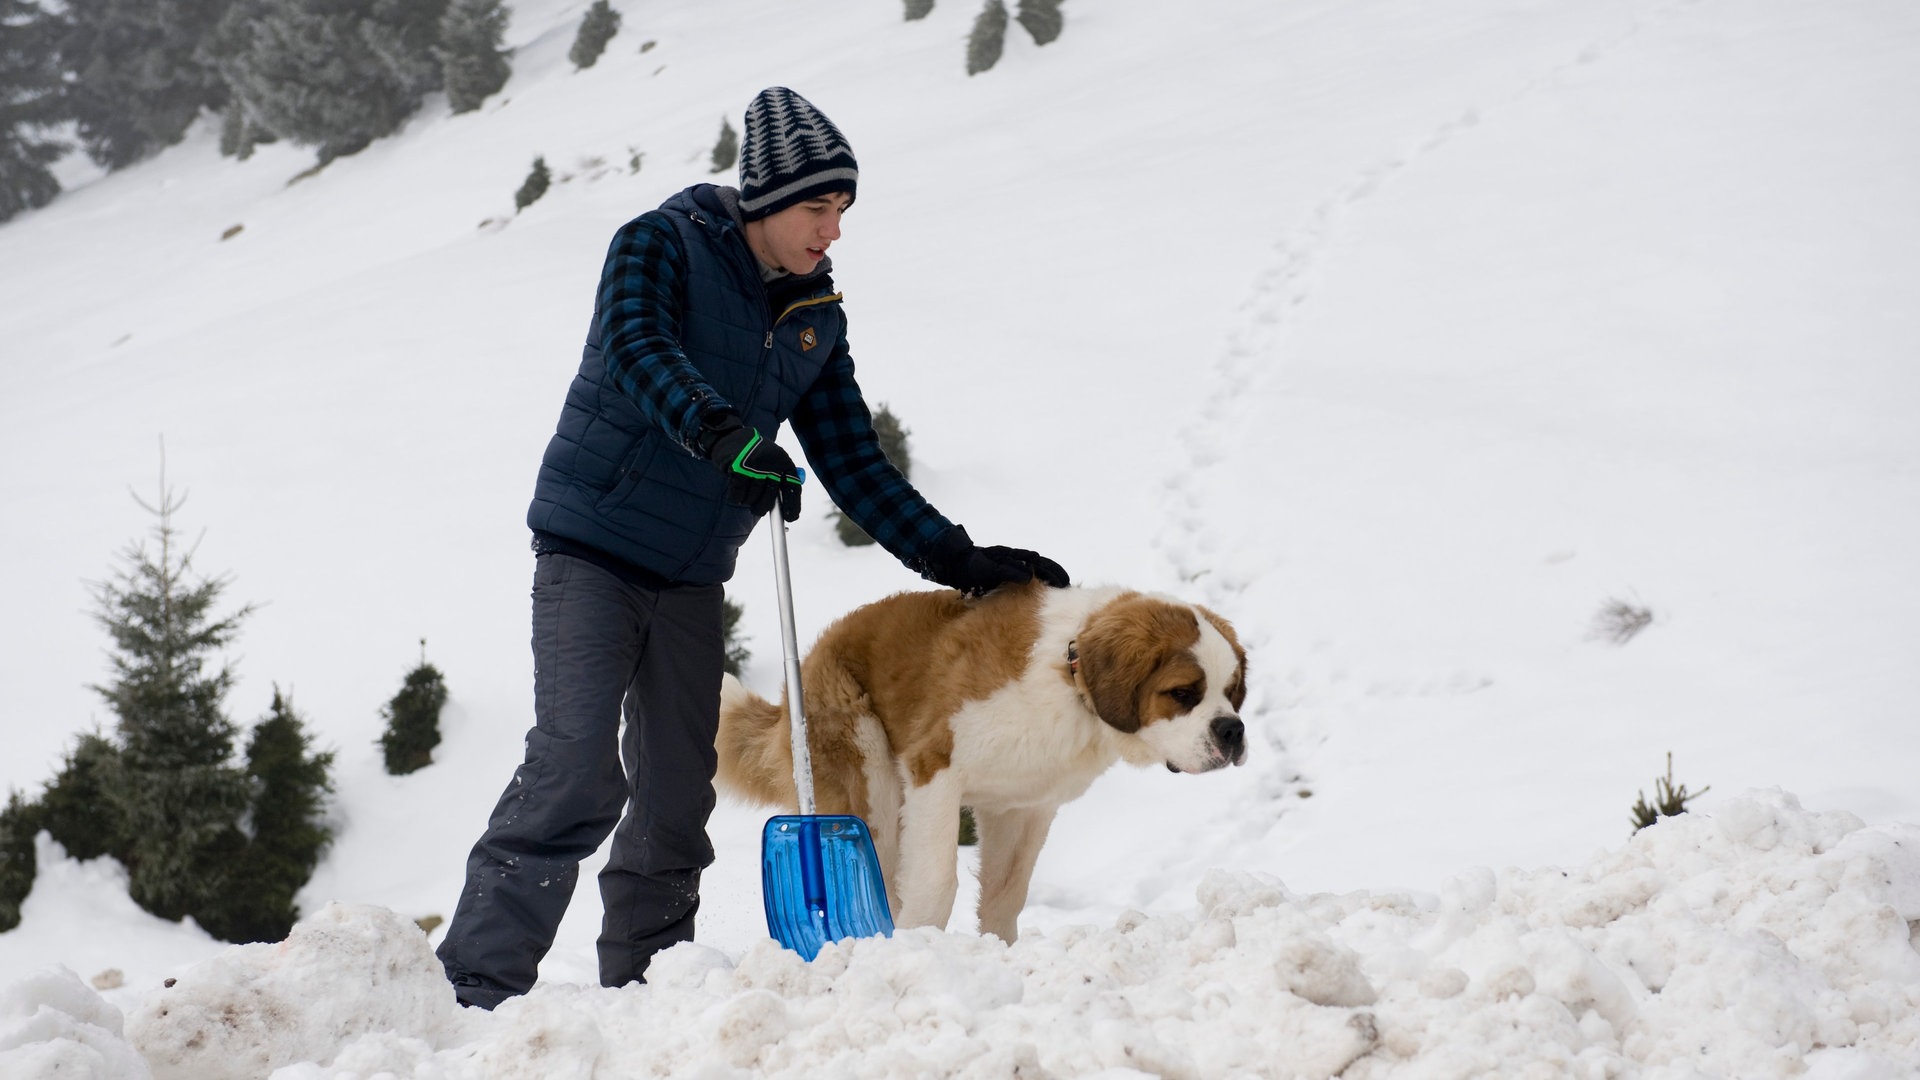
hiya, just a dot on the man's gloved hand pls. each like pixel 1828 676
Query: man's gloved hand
pixel 958 563
pixel 759 473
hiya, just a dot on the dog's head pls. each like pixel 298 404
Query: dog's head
pixel 1172 674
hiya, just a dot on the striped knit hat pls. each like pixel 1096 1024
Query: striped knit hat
pixel 791 153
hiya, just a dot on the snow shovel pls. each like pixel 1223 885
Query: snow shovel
pixel 818 872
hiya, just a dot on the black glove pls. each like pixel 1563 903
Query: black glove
pixel 958 564
pixel 759 473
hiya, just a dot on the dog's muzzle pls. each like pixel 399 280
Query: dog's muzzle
pixel 1228 739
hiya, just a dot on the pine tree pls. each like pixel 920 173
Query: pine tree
pixel 138 79
pixel 536 184
pixel 737 652
pixel 179 800
pixel 289 830
pixel 918 9
pixel 161 621
pixel 472 64
pixel 19 824
pixel 331 74
pixel 726 149
pixel 30 106
pixel 404 35
pixel 80 808
pixel 597 27
pixel 239 134
pixel 413 720
pixel 988 38
pixel 893 443
pixel 1042 19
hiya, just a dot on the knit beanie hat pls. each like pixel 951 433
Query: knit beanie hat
pixel 791 153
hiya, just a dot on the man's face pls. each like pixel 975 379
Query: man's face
pixel 796 239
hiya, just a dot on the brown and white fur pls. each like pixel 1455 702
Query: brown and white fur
pixel 925 702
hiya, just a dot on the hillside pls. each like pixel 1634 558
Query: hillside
pixel 1406 336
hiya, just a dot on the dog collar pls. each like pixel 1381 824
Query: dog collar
pixel 1073 678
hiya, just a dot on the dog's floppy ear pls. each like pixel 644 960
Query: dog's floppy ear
pixel 1237 692
pixel 1121 647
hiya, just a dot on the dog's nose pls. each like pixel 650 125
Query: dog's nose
pixel 1228 731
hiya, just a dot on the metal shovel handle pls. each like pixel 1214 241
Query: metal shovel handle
pixel 789 644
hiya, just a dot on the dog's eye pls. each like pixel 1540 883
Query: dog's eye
pixel 1185 696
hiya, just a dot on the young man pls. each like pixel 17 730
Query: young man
pixel 715 322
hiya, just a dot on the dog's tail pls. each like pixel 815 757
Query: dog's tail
pixel 756 747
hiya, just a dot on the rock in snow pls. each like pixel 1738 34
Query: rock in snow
pixel 1762 940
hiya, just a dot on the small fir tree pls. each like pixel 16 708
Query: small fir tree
pixel 81 807
pixel 19 825
pixel 988 38
pixel 198 836
pixel 1669 801
pixel 893 443
pixel 737 652
pixel 178 799
pixel 536 184
pixel 1042 19
pixel 289 829
pixel 918 9
pixel 597 27
pixel 473 65
pixel 726 151
pixel 413 719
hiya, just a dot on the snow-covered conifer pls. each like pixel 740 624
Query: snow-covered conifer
pixel 893 443
pixel 597 27
pixel 1041 18
pixel 178 798
pixel 737 652
pixel 473 66
pixel 331 74
pixel 136 76
pixel 289 831
pixel 539 178
pixel 413 720
pixel 726 149
pixel 989 36
pixel 30 106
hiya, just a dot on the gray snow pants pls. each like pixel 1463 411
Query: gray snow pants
pixel 599 643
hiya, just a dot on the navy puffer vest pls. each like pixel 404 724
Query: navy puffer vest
pixel 614 481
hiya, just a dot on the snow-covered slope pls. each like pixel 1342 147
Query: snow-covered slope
pixel 1405 335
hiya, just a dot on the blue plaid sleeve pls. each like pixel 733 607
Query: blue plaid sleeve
pixel 642 293
pixel 835 429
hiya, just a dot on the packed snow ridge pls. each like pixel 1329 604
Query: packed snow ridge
pixel 1761 940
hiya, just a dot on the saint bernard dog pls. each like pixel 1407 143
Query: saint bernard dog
pixel 1011 704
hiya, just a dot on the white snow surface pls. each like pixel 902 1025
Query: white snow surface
pixel 1406 335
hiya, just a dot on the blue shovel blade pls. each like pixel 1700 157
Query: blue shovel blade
pixel 822 882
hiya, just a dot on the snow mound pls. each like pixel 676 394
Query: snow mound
pixel 52 1024
pixel 346 971
pixel 1762 940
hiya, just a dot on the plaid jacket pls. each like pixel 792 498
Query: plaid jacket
pixel 683 326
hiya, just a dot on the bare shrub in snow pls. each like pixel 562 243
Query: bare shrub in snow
pixel 1618 621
